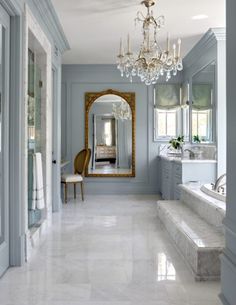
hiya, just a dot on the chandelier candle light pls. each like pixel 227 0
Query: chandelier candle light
pixel 152 61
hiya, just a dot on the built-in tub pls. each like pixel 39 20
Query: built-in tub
pixel 207 189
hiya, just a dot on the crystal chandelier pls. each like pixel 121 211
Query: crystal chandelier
pixel 152 61
pixel 121 111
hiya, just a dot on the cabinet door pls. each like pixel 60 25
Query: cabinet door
pixel 166 180
pixel 177 180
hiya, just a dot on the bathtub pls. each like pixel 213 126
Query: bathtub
pixel 207 189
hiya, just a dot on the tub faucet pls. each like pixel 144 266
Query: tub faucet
pixel 217 186
pixel 191 153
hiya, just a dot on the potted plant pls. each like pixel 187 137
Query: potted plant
pixel 196 139
pixel 177 144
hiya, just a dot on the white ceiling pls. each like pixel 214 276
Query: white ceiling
pixel 94 27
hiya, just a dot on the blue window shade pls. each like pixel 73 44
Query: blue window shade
pixel 167 96
pixel 202 96
pixel 185 95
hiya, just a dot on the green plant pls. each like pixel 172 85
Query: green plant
pixel 196 139
pixel 177 143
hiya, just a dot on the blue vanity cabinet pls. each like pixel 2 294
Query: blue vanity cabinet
pixel 175 171
pixel 166 179
pixel 177 179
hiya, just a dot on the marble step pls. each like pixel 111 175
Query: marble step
pixel 199 242
pixel 210 209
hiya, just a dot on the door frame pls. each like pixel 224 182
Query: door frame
pixel 56 141
pixel 5 242
pixel 14 8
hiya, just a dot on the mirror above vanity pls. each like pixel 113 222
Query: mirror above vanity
pixel 202 110
pixel 110 133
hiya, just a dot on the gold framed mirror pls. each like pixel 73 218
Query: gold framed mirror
pixel 110 133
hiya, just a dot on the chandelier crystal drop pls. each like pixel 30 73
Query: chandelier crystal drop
pixel 122 111
pixel 152 62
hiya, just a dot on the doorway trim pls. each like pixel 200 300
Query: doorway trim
pixel 16 132
pixel 32 26
pixel 56 140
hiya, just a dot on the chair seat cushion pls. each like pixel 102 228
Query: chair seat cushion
pixel 70 178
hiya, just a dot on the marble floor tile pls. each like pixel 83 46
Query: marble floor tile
pixel 108 250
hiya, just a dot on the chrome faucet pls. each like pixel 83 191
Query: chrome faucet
pixel 191 153
pixel 217 186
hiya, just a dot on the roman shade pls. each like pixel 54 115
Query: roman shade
pixel 202 96
pixel 167 96
pixel 185 95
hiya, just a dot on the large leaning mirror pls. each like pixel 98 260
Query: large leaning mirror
pixel 110 133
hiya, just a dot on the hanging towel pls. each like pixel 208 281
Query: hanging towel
pixel 31 182
pixel 38 191
pixel 34 186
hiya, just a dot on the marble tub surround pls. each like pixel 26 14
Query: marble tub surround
pixel 199 242
pixel 207 189
pixel 109 250
pixel 208 208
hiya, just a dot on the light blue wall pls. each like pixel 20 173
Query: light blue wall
pixel 212 48
pixel 78 79
pixel 228 269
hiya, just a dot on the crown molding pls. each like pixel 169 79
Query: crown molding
pixel 208 40
pixel 50 19
pixel 13 7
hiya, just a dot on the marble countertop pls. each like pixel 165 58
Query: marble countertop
pixel 183 160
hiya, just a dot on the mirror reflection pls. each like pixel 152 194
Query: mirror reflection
pixel 110 136
pixel 203 84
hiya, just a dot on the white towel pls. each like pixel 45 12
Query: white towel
pixel 38 192
pixel 34 189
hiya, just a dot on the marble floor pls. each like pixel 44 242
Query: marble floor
pixel 108 250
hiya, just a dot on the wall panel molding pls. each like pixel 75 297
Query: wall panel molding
pixel 77 79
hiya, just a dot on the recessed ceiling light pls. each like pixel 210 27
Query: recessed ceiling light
pixel 200 17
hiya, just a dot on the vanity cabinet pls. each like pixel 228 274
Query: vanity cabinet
pixel 177 179
pixel 166 170
pixel 176 171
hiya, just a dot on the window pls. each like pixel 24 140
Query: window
pixel 167 112
pixel 202 124
pixel 202 109
pixel 166 123
pixel 108 133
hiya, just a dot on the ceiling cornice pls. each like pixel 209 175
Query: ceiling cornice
pixel 208 40
pixel 51 21
pixel 13 7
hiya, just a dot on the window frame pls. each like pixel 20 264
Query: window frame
pixel 178 126
pixel 209 112
pixel 179 118
pixel 184 119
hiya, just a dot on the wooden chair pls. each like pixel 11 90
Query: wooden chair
pixel 80 163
